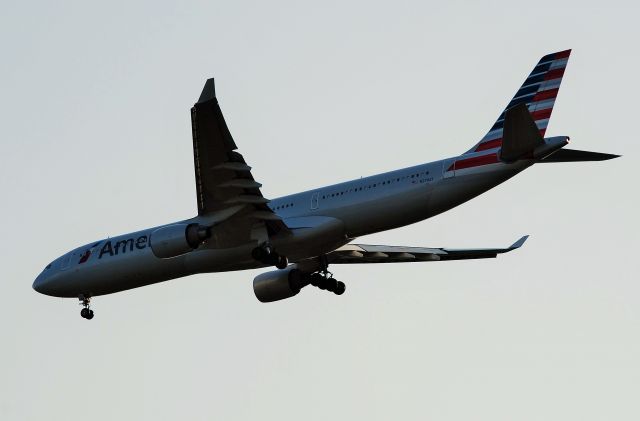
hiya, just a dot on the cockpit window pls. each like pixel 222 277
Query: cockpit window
pixel 48 266
pixel 64 263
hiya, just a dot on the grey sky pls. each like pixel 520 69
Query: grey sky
pixel 96 141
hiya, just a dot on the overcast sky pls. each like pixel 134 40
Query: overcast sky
pixel 96 141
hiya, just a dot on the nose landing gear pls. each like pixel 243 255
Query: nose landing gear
pixel 86 312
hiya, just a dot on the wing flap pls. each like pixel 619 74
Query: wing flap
pixel 521 135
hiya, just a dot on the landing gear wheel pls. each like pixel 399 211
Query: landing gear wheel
pixel 259 254
pixel 340 288
pixel 316 279
pixel 331 284
pixel 267 255
pixel 283 262
pixel 255 253
pixel 86 312
pixel 272 259
pixel 324 280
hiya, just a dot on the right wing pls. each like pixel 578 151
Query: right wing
pixel 366 253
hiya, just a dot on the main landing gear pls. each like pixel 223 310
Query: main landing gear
pixel 267 255
pixel 86 312
pixel 325 281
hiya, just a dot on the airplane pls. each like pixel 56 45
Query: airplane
pixel 302 234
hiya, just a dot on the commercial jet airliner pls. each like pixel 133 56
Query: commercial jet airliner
pixel 303 234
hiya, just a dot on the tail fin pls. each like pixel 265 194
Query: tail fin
pixel 538 92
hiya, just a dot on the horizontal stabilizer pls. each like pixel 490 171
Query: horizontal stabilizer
pixel 573 155
pixel 521 135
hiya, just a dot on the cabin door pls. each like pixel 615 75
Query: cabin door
pixel 314 200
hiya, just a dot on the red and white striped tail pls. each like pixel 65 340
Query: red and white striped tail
pixel 539 92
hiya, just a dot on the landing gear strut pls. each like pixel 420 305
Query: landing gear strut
pixel 86 312
pixel 267 255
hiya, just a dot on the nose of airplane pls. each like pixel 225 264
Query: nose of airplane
pixel 38 283
pixel 41 284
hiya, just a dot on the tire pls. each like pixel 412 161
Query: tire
pixel 315 280
pixel 258 254
pixel 283 262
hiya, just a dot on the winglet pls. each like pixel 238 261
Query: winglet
pixel 518 243
pixel 208 92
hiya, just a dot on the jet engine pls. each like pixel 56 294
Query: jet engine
pixel 175 240
pixel 278 284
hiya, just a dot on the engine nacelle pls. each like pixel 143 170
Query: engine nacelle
pixel 277 285
pixel 175 240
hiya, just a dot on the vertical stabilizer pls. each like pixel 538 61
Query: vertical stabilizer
pixel 538 93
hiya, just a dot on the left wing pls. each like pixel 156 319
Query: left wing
pixel 365 253
pixel 225 186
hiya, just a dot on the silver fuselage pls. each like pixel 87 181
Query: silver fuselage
pixel 320 220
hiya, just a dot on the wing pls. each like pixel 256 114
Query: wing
pixel 365 253
pixel 224 183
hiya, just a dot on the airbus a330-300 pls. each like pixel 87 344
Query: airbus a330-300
pixel 303 234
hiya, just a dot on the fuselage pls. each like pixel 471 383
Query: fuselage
pixel 320 220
